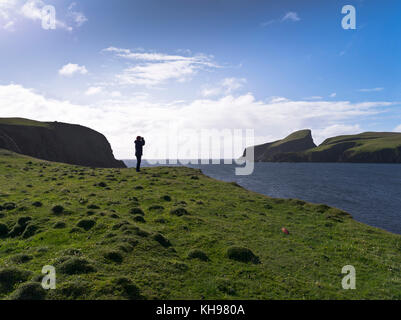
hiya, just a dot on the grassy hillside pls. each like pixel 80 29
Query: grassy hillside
pixel 364 147
pixel 298 135
pixel 296 142
pixel 57 141
pixel 368 147
pixel 368 141
pixel 23 122
pixel 173 233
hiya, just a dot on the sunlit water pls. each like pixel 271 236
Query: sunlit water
pixel 370 192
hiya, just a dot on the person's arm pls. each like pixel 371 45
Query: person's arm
pixel 143 141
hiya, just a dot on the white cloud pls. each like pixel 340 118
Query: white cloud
pixel 211 92
pixel 397 129
pixel 267 23
pixel 78 17
pixel 151 69
pixel 115 94
pixel 70 69
pixel 93 91
pixel 6 6
pixel 291 16
pixel 226 86
pixel 151 74
pixel 278 99
pixel 333 95
pixel 121 119
pixel 9 26
pixel 335 130
pixel 314 98
pixel 7 9
pixel 232 84
pixel 11 11
pixel 371 90
pixel 32 9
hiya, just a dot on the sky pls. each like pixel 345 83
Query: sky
pixel 141 67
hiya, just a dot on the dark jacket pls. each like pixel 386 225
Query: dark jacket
pixel 139 147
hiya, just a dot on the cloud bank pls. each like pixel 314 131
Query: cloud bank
pixel 122 119
pixel 12 11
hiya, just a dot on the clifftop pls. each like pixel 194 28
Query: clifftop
pixel 57 141
pixel 295 142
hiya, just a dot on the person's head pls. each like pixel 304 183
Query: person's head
pixel 138 138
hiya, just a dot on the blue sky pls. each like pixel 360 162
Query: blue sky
pixel 125 66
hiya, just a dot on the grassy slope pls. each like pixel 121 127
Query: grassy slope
pixel 23 122
pixel 302 134
pixel 303 265
pixel 263 149
pixel 292 137
pixel 365 142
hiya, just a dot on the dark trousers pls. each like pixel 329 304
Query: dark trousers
pixel 138 162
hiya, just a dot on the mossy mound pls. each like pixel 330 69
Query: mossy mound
pixel 74 289
pixel 30 231
pixel 137 211
pixel 86 224
pixel 60 225
pixel 11 276
pixel 198 254
pixel 17 230
pixel 9 206
pixel 113 255
pixel 37 204
pixel 127 288
pixel 139 219
pixel 58 209
pixel 162 240
pixel 21 258
pixel 179 212
pixel 242 254
pixel 3 230
pixel 76 265
pixel 161 220
pixel 93 207
pixel 29 291
pixel 156 208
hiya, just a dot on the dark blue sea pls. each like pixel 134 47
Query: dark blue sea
pixel 370 192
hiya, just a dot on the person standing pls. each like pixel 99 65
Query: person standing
pixel 139 143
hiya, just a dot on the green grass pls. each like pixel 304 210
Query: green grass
pixel 101 252
pixel 302 134
pixel 364 142
pixel 23 122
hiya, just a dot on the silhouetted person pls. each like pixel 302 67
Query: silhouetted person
pixel 139 143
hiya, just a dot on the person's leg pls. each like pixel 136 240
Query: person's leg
pixel 138 162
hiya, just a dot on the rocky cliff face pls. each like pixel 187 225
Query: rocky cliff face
pixel 295 142
pixel 59 142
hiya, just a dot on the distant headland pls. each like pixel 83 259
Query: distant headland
pixel 58 142
pixel 368 147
